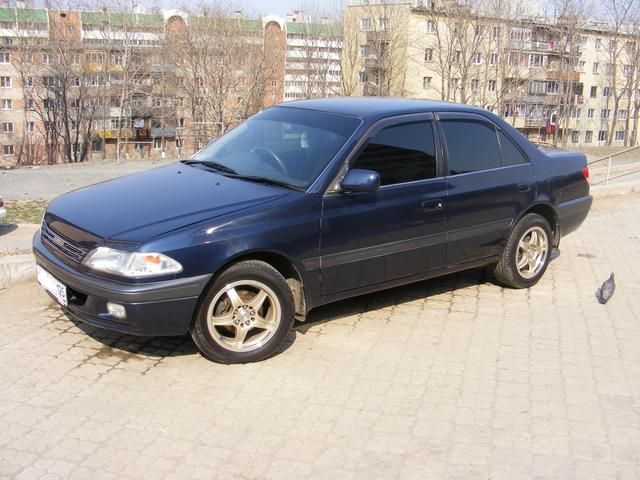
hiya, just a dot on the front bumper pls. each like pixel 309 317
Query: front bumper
pixel 153 309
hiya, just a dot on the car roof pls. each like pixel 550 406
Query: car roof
pixel 371 108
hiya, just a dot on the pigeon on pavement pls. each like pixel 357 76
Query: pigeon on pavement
pixel 605 292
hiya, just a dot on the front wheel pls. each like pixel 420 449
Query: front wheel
pixel 526 255
pixel 245 315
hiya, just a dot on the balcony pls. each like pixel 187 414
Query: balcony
pixel 535 122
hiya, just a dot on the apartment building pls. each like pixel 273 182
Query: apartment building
pixel 555 80
pixel 135 84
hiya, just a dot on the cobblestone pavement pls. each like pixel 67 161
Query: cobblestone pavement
pixel 451 378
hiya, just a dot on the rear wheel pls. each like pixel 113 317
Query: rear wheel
pixel 526 255
pixel 245 315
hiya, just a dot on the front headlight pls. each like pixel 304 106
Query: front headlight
pixel 131 264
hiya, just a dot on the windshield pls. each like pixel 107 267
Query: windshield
pixel 287 146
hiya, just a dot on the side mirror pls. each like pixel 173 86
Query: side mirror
pixel 360 181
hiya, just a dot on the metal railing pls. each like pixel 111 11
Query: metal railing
pixel 609 159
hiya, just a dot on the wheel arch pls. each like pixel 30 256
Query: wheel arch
pixel 283 264
pixel 548 212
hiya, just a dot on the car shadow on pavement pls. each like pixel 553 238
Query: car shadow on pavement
pixel 396 296
pixel 124 346
pixel 6 228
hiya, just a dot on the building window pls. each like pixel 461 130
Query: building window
pixel 31 127
pixel 494 59
pixel 475 85
pixel 431 26
pixel 7 127
pixel 594 92
pixel 48 81
pixel 537 60
pixel 181 122
pixel 426 82
pixel 364 51
pixel 590 113
pixel 76 59
pixel 8 150
pixel 5 57
pixel 575 112
pixel 30 105
pixel 428 54
pixel 362 77
pixel 28 82
pixel 623 114
pixel 581 65
pixel 95 57
pixel 602 136
pixel 46 58
pixel 609 68
pixel 178 143
pixel 595 67
pixel 491 86
pixel 496 33
pixel 477 58
pixel 552 87
pixel 605 92
pixel 5 82
pixel 598 43
pixel 588 136
pixel 605 113
pixel 382 23
pixel 157 144
pixel 627 70
pixel 619 136
pixel 7 104
pixel 365 24
pixel 575 136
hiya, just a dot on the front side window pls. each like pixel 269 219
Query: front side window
pixel 401 153
pixel 472 146
pixel 286 145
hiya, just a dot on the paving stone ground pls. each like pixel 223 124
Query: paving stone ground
pixel 454 378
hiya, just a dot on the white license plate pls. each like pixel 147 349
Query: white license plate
pixel 53 286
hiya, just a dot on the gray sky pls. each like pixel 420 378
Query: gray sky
pixel 255 7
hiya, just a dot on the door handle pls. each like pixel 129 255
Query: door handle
pixel 524 187
pixel 432 205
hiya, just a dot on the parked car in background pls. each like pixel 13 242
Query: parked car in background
pixel 3 211
pixel 308 203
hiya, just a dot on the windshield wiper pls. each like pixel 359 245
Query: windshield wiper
pixel 266 181
pixel 215 165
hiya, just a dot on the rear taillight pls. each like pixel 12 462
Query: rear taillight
pixel 1 203
pixel 585 173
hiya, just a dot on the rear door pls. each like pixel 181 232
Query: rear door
pixel 489 181
pixel 397 231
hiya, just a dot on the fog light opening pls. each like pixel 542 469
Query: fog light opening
pixel 116 310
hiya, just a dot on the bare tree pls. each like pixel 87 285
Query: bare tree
pixel 617 17
pixel 220 61
pixel 383 37
pixel 565 32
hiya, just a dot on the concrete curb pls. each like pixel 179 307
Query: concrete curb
pixel 16 268
pixel 615 189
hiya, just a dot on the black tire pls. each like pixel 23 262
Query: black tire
pixel 506 270
pixel 261 276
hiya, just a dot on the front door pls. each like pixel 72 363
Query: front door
pixel 396 232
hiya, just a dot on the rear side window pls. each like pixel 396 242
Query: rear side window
pixel 401 153
pixel 511 155
pixel 471 146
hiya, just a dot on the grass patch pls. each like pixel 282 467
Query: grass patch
pixel 25 211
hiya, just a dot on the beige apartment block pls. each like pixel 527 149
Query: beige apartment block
pixel 567 80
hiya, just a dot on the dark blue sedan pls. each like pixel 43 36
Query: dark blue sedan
pixel 304 204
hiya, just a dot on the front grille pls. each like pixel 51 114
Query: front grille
pixel 62 245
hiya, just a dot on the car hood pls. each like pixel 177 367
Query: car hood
pixel 144 205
